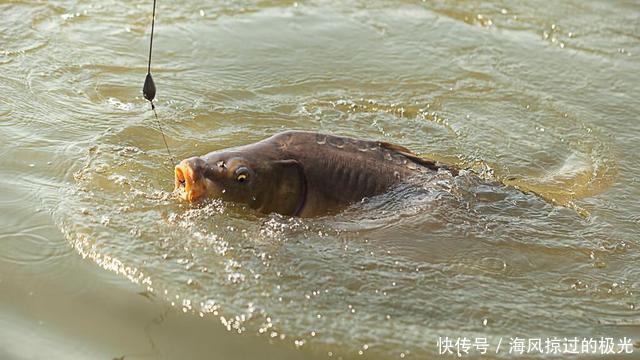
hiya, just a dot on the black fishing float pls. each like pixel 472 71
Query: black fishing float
pixel 149 87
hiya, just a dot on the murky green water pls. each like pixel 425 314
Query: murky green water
pixel 541 96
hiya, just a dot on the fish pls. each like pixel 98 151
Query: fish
pixel 300 173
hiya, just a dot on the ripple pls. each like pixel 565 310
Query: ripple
pixel 490 264
pixel 20 248
pixel 30 248
pixel 461 254
pixel 17 37
pixel 259 268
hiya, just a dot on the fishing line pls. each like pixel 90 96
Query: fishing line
pixel 149 87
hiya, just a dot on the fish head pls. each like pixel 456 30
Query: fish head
pixel 252 177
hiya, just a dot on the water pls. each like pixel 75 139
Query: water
pixel 540 96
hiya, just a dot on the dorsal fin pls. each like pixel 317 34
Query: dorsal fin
pixel 395 147
pixel 415 158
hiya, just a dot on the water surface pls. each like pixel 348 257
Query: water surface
pixel 540 97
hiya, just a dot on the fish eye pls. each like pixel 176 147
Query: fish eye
pixel 242 174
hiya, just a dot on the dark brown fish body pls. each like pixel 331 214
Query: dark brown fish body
pixel 299 173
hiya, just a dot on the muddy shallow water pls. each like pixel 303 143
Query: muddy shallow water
pixel 540 97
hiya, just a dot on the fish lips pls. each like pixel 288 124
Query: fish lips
pixel 194 179
pixel 190 181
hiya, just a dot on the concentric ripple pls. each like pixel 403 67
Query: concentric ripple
pixel 537 238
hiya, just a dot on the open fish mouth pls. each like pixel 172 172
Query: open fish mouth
pixel 189 184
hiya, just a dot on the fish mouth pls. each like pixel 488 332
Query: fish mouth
pixel 189 184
